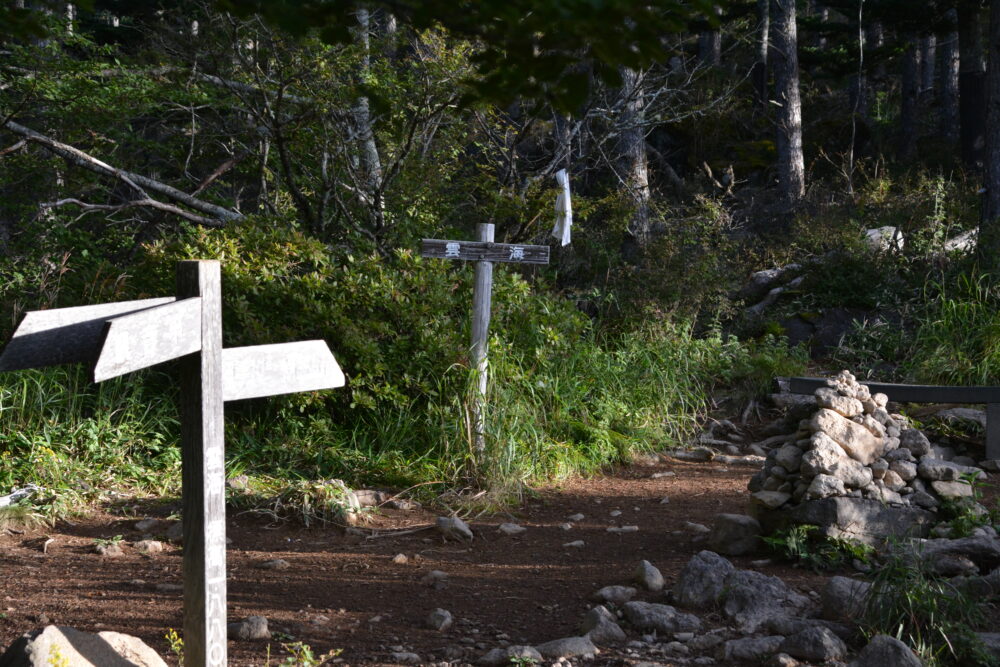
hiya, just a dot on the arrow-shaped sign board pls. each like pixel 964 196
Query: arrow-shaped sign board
pixel 65 335
pixel 119 338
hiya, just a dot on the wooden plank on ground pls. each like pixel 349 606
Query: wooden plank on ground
pixel 909 393
pixel 149 337
pixel 479 251
pixel 65 335
pixel 268 370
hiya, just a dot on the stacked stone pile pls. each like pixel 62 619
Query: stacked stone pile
pixel 852 447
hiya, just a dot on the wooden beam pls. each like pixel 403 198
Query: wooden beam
pixel 482 303
pixel 203 473
pixel 485 251
pixel 65 335
pixel 149 337
pixel 909 393
pixel 268 370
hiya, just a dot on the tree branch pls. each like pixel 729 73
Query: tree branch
pixel 135 181
pixel 135 203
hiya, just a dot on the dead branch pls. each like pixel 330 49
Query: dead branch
pixel 135 181
pixel 16 147
pixel 135 203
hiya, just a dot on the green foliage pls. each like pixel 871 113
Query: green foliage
pixel 803 546
pixel 964 515
pixel 176 643
pixel 302 655
pixel 930 614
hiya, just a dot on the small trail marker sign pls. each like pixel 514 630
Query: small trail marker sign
pixel 119 338
pixel 484 253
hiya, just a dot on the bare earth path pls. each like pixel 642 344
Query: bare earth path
pixel 346 592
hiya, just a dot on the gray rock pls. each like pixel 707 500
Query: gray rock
pixel 815 643
pixel 861 519
pixel 453 528
pixel 892 481
pixel 788 457
pixel 568 647
pixel 146 525
pixel 952 490
pixel 846 406
pixel 770 499
pixel 959 415
pixel 754 649
pixel 69 647
pixel 440 620
pixel 750 599
pixel 915 441
pixel 701 582
pixel 405 658
pixel 886 651
pixel 905 469
pixel 108 550
pixel 825 486
pixel 788 625
pixel 149 547
pixel 735 534
pixel 647 576
pixel 859 443
pixel 924 500
pixel 851 473
pixel 602 627
pixel 175 533
pixel 435 579
pixel 660 617
pixel 844 599
pixel 511 529
pixel 944 471
pixel 274 564
pixel 511 654
pixel 250 628
pixel 983 551
pixel 616 595
pixel 823 454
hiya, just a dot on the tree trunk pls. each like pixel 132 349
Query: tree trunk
pixel 822 14
pixel 633 164
pixel 791 164
pixel 909 100
pixel 928 63
pixel 971 85
pixel 949 82
pixel 875 38
pixel 710 44
pixel 989 226
pixel 759 72
pixel 367 163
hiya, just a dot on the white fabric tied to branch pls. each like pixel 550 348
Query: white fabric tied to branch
pixel 564 209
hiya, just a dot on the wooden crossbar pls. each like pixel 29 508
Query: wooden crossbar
pixel 919 393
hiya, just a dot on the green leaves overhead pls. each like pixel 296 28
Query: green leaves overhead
pixel 535 49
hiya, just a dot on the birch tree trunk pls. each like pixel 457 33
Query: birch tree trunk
pixel 791 163
pixel 949 82
pixel 971 85
pixel 928 63
pixel 988 247
pixel 367 162
pixel 710 44
pixel 632 157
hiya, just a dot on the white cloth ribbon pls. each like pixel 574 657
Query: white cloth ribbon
pixel 564 209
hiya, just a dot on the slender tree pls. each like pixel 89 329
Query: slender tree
pixel 909 100
pixel 989 226
pixel 971 82
pixel 633 161
pixel 763 45
pixel 791 163
pixel 948 41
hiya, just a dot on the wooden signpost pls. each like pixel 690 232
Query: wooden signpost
pixel 483 252
pixel 119 338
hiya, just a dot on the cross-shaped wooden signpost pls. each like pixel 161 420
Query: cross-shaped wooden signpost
pixel 483 252
pixel 118 338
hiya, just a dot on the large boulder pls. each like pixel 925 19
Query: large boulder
pixel 660 617
pixel 750 599
pixel 862 519
pixel 68 647
pixel 701 582
pixel 844 599
pixel 886 651
pixel 859 442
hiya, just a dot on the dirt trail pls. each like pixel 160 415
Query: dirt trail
pixel 345 592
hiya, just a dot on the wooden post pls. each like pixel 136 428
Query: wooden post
pixel 118 338
pixel 482 300
pixel 993 430
pixel 203 473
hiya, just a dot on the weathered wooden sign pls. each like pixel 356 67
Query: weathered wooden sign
pixel 484 253
pixel 120 338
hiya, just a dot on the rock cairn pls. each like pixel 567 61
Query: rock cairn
pixel 853 447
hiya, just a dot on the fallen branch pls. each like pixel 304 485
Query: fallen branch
pixel 135 181
pixel 135 203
